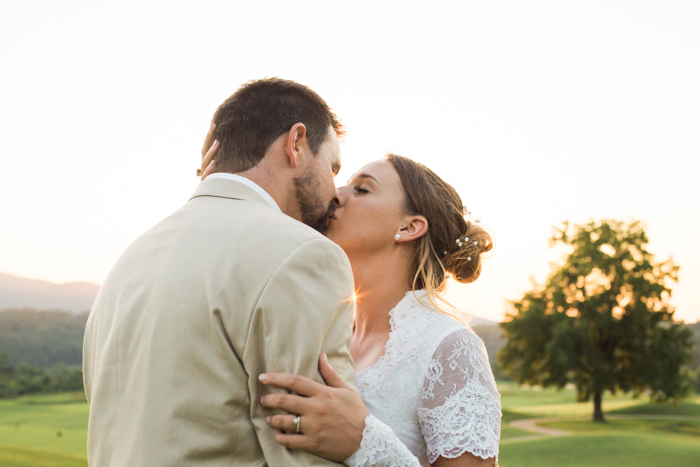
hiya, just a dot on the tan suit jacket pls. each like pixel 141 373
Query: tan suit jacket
pixel 222 290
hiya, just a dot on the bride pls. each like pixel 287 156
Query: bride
pixel 427 395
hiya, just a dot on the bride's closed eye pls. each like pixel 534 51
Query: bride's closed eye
pixel 359 189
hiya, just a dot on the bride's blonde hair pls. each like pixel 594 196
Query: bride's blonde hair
pixel 453 244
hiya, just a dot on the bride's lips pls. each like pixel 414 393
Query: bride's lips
pixel 330 218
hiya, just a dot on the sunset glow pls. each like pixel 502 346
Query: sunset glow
pixel 537 112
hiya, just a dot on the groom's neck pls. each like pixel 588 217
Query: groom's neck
pixel 275 186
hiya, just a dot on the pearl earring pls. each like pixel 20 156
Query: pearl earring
pixel 397 237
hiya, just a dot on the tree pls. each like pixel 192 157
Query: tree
pixel 601 320
pixel 695 364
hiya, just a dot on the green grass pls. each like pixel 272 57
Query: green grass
pixel 605 448
pixel 17 457
pixel 550 402
pixel 29 428
pixel 689 406
pixel 44 430
pixel 684 427
pixel 510 432
pixel 628 442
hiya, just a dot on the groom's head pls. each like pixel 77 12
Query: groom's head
pixel 284 136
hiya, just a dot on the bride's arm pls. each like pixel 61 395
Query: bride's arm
pixel 334 422
pixel 331 417
pixel 460 411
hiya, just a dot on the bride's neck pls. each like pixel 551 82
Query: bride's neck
pixel 380 283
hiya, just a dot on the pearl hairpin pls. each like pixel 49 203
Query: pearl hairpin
pixel 469 213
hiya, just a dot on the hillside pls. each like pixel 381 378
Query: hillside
pixel 42 338
pixel 477 321
pixel 19 292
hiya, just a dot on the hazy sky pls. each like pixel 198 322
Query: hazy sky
pixel 537 112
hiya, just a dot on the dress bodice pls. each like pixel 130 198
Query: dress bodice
pixel 433 386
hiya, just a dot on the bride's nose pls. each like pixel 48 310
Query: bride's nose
pixel 340 197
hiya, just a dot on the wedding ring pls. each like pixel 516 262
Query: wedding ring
pixel 199 172
pixel 297 423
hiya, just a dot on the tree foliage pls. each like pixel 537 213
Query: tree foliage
pixel 695 363
pixel 601 320
pixel 27 379
pixel 42 338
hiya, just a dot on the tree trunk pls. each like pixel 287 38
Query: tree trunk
pixel 598 407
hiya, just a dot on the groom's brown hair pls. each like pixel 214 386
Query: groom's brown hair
pixel 259 112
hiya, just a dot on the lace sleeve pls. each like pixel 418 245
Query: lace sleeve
pixel 460 409
pixel 381 448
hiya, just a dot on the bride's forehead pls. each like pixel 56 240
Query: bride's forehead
pixel 379 169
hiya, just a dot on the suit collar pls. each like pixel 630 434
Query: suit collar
pixel 226 188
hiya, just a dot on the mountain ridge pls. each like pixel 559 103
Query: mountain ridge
pixel 76 297
pixel 21 292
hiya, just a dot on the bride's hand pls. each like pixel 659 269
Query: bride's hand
pixel 332 417
pixel 209 150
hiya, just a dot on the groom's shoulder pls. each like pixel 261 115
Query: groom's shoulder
pixel 246 232
pixel 281 226
pixel 294 235
pixel 279 235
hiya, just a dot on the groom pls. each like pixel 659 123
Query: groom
pixel 231 285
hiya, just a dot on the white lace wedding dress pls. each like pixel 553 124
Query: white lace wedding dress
pixel 431 394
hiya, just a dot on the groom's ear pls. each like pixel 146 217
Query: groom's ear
pixel 414 228
pixel 296 143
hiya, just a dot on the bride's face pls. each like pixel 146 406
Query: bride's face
pixel 369 210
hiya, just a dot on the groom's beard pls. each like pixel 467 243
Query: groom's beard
pixel 313 213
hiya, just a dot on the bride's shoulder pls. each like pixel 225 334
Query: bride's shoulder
pixel 437 329
pixel 423 308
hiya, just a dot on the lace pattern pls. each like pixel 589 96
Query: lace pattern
pixel 460 410
pixel 433 387
pixel 381 448
pixel 407 318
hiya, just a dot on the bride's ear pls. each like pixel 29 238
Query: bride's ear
pixel 414 228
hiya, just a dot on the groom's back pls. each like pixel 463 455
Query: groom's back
pixel 220 291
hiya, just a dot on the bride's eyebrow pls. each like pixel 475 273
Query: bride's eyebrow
pixel 364 176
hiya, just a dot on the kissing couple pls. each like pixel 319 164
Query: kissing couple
pixel 276 320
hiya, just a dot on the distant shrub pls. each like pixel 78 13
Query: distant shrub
pixel 27 379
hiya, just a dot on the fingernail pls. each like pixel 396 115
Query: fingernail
pixel 263 377
pixel 212 125
pixel 216 141
pixel 261 399
pixel 267 420
pixel 325 357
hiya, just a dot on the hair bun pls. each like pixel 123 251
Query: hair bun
pixel 464 259
pixel 453 245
